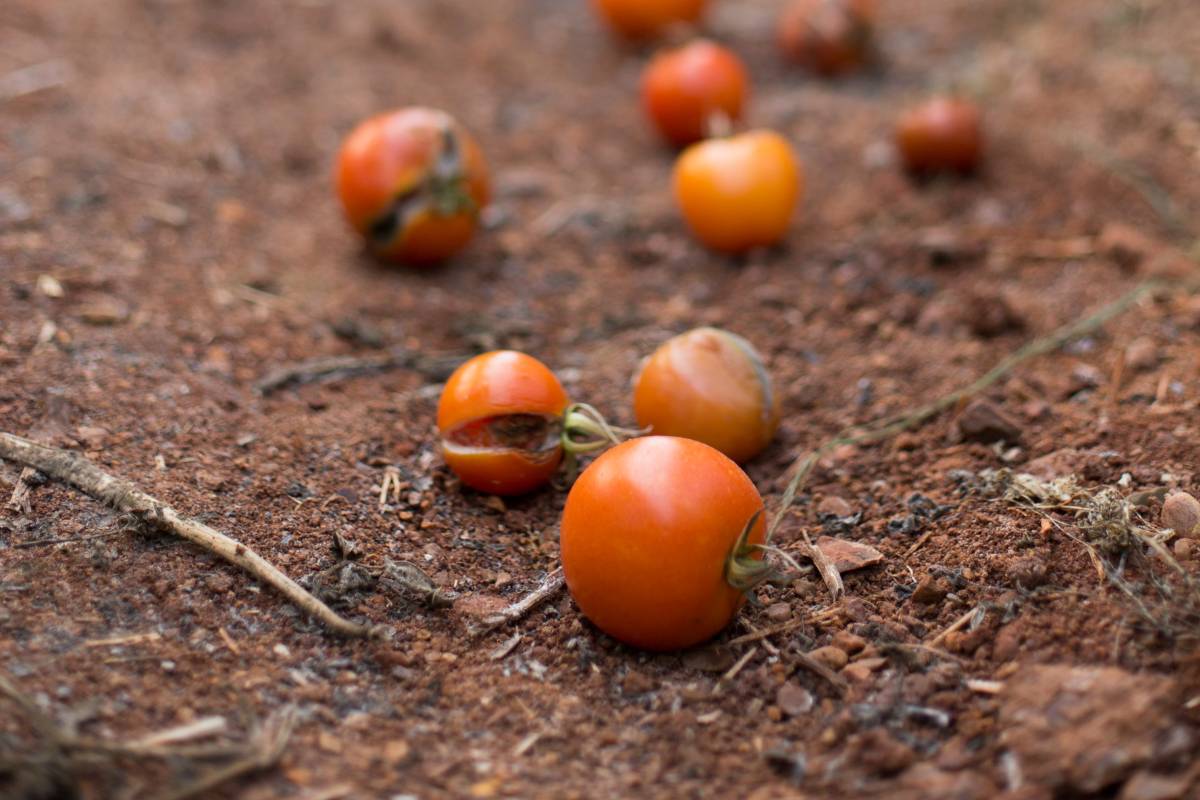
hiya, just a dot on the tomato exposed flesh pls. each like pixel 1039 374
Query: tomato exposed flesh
pixel 646 533
pixel 532 432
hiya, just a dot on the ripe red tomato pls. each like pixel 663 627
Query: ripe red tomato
pixel 944 134
pixel 643 19
pixel 683 90
pixel 830 37
pixel 653 544
pixel 500 419
pixel 739 192
pixel 412 182
pixel 709 385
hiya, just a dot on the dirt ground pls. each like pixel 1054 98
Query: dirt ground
pixel 172 180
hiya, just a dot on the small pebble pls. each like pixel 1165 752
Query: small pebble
pixel 104 311
pixel 779 612
pixel 832 657
pixel 793 700
pixel 848 642
pixel 1141 355
pixel 1184 549
pixel 50 286
pixel 635 682
pixel 929 591
pixel 1181 513
pixel 832 504
pixel 982 421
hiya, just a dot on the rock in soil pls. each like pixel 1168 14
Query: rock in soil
pixel 830 656
pixel 982 421
pixel 1181 513
pixel 930 591
pixel 793 700
pixel 848 642
pixel 1082 729
pixel 1141 355
pixel 848 556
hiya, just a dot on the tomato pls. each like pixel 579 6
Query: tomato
pixel 506 424
pixel 657 536
pixel 500 421
pixel 739 192
pixel 942 135
pixel 830 37
pixel 644 19
pixel 684 90
pixel 709 385
pixel 412 182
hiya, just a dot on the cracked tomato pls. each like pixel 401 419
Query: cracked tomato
pixel 712 386
pixel 500 419
pixel 659 540
pixel 830 37
pixel 506 424
pixel 412 182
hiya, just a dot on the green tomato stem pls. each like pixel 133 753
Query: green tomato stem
pixel 742 570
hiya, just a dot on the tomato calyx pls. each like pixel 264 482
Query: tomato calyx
pixel 718 125
pixel 443 192
pixel 585 430
pixel 743 570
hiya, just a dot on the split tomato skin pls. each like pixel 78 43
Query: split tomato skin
pixel 412 183
pixel 739 192
pixel 684 89
pixel 499 384
pixel 712 386
pixel 646 534
pixel 944 134
pixel 645 19
pixel 829 37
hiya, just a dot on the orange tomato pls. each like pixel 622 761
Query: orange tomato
pixel 643 19
pixel 943 134
pixel 652 535
pixel 739 192
pixel 830 37
pixel 709 385
pixel 684 90
pixel 500 420
pixel 412 182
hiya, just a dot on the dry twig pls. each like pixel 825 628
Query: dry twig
pixel 819 669
pixel 63 756
pixel 76 471
pixel 433 367
pixel 829 571
pixel 19 501
pixel 551 585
